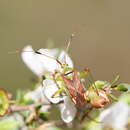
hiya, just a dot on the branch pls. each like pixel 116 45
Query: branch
pixel 16 108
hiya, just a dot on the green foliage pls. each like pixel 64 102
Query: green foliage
pixel 123 87
pixel 4 102
pixel 22 99
pixel 53 128
pixel 92 122
pixel 9 125
pixel 85 102
pixel 43 116
pixel 92 125
pixel 125 98
pixel 99 83
pixel 12 122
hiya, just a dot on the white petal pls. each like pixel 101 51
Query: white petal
pixel 30 59
pixel 51 52
pixel 115 116
pixel 37 95
pixel 41 63
pixel 64 58
pixel 50 64
pixel 49 90
pixel 68 110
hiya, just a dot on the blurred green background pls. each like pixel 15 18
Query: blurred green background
pixel 102 40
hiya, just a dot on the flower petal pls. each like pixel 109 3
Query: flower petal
pixel 50 64
pixel 68 110
pixel 115 116
pixel 30 59
pixel 49 90
pixel 37 95
pixel 41 63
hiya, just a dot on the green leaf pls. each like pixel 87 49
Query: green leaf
pixel 4 102
pixel 9 125
pixel 92 125
pixel 12 122
pixel 99 83
pixel 53 128
pixel 125 98
pixel 123 87
pixel 21 97
pixel 43 116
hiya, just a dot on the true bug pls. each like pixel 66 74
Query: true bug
pixel 79 95
pixel 74 87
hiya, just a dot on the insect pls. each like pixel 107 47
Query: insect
pixel 75 88
pixel 79 94
pixel 71 79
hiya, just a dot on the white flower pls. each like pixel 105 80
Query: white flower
pixel 40 64
pixel 38 96
pixel 67 108
pixel 50 88
pixel 116 116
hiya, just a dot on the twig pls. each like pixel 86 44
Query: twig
pixel 15 108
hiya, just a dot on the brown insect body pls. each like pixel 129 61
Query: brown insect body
pixel 75 88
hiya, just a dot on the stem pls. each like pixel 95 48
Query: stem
pixel 15 108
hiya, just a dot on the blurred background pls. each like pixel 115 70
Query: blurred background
pixel 102 40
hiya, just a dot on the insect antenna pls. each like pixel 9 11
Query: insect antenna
pixel 50 58
pixel 69 42
pixel 18 51
pixel 37 52
pixel 68 45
